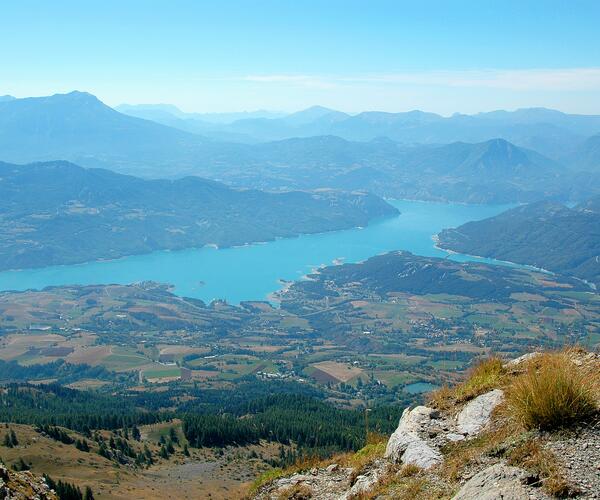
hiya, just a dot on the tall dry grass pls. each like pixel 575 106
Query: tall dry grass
pixel 553 393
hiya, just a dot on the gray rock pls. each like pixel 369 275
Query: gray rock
pixel 422 455
pixel 363 484
pixel 477 413
pixel 332 468
pixel 498 482
pixel 521 359
pixel 406 445
pixel 453 437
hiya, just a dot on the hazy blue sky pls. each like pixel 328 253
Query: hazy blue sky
pixel 441 56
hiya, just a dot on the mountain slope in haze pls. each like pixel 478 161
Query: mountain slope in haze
pixel 544 234
pixel 205 124
pixel 548 131
pixel 494 171
pixel 77 126
pixel 161 110
pixel 59 213
pixel 586 157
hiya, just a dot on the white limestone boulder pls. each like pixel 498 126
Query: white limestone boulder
pixel 422 455
pixel 406 444
pixel 477 413
pixel 514 363
pixel 498 482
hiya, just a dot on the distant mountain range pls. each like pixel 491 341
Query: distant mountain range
pixel 59 213
pixel 213 125
pixel 544 234
pixel 148 111
pixel 493 171
pixel 550 132
pixel 587 156
pixel 78 127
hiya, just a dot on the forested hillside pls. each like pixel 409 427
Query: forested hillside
pixel 71 214
pixel 545 234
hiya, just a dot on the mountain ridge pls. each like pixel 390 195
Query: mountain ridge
pixel 71 214
pixel 545 234
pixel 78 127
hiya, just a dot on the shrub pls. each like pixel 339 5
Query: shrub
pixel 552 393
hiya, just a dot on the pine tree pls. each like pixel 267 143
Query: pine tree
pixel 173 435
pixel 170 447
pixel 148 455
pixel 88 495
pixel 186 451
pixel 13 438
pixel 21 465
pixel 6 441
pixel 135 433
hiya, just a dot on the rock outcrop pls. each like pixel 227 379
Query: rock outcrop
pixel 23 486
pixel 423 432
pixel 477 413
pixel 498 482
pixel 406 445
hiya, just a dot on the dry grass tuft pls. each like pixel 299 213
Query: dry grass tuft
pixel 271 475
pixel 411 488
pixel 552 393
pixel 484 376
pixel 362 459
pixel 296 492
pixel 533 457
pixel 409 470
pixel 411 484
pixel 358 461
pixel 264 478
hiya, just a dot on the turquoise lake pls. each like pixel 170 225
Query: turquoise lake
pixel 253 272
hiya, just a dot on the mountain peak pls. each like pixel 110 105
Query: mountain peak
pixel 309 115
pixel 76 95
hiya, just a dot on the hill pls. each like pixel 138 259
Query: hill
pixel 79 127
pixel 71 214
pixel 545 234
pixel 586 156
pixel 494 171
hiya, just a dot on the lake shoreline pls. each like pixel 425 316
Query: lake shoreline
pixel 252 272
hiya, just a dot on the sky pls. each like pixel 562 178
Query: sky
pixel 233 55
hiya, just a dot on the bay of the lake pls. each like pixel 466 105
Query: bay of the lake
pixel 254 271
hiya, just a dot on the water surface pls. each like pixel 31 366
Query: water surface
pixel 253 272
pixel 420 387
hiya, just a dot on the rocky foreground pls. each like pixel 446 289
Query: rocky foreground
pixel 23 486
pixel 466 445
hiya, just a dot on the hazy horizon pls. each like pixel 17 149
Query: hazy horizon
pixel 290 111
pixel 391 56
